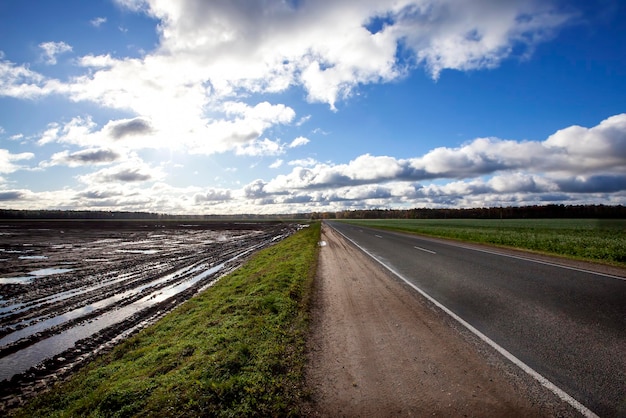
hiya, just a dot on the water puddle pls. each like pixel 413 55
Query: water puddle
pixel 138 251
pixel 131 288
pixel 13 309
pixel 16 280
pixel 33 274
pixel 49 271
pixel 22 360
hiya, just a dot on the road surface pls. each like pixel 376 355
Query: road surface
pixel 565 324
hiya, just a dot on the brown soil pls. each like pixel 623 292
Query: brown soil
pixel 380 349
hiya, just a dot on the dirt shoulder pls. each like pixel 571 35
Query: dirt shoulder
pixel 377 348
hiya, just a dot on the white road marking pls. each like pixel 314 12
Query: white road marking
pixel 532 260
pixel 378 236
pixel 424 249
pixel 519 363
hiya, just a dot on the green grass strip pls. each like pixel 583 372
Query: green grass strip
pixel 237 349
pixel 597 240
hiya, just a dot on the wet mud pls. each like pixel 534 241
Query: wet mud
pixel 70 290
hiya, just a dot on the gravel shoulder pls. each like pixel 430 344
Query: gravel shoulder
pixel 377 348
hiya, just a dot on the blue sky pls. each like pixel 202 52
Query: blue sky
pixel 195 106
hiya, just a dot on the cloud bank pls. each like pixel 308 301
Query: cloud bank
pixel 575 164
pixel 206 89
pixel 212 54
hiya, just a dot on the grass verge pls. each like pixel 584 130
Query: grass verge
pixel 595 240
pixel 237 349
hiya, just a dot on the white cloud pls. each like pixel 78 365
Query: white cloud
pixel 52 49
pixel 213 195
pixel 15 195
pixel 307 162
pixel 260 147
pixel 192 93
pixel 298 142
pixel 98 21
pixel 132 171
pixel 92 156
pixel 78 131
pixel 21 82
pixel 303 120
pixel 96 61
pixel 7 160
pixel 212 50
pixel 241 134
pixel 577 165
pixel 571 152
pixel 470 35
pixel 276 164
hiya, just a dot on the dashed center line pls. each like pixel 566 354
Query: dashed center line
pixel 424 249
pixel 379 236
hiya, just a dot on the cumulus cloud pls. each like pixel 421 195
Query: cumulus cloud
pixel 132 171
pixel 470 35
pixel 298 142
pixel 19 81
pixel 593 184
pixel 260 147
pixel 90 156
pixel 328 47
pixel 574 152
pixel 52 49
pixel 213 195
pixel 217 49
pixel 96 61
pixel 122 128
pixel 255 190
pixel 276 164
pixel 193 92
pixel 307 162
pixel 98 21
pixel 240 132
pixel 100 194
pixel 7 160
pixel 9 195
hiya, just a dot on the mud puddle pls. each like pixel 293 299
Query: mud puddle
pixel 84 286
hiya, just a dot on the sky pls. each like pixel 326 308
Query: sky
pixel 293 106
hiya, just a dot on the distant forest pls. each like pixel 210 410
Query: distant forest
pixel 86 214
pixel 511 212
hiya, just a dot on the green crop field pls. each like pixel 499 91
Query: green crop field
pixel 596 240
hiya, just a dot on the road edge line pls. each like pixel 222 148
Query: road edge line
pixel 564 396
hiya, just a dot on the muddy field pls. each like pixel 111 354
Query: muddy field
pixel 71 289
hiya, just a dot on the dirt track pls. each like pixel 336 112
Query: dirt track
pixel 379 349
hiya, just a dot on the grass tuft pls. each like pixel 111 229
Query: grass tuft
pixel 237 349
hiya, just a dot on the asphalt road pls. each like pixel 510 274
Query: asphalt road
pixel 566 324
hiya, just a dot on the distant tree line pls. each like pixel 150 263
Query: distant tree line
pixel 73 214
pixel 114 215
pixel 511 212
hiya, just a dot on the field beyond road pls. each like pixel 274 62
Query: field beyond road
pixel 597 240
